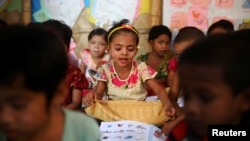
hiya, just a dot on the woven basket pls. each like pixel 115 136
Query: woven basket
pixel 151 112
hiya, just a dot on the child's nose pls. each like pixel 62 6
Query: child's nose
pixel 193 106
pixel 166 45
pixel 124 52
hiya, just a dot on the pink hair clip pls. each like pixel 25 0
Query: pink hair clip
pixel 127 26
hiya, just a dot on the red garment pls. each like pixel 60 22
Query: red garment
pixel 151 92
pixel 179 133
pixel 75 80
pixel 172 65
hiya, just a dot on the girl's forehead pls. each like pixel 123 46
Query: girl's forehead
pixel 124 33
pixel 125 37
pixel 97 36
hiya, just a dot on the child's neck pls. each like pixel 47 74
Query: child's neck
pixel 98 59
pixel 156 55
pixel 123 72
pixel 154 60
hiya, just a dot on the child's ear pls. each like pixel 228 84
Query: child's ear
pixel 60 93
pixel 245 95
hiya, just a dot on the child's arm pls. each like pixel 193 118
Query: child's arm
pixel 96 94
pixel 89 98
pixel 170 124
pixel 100 89
pixel 162 80
pixel 76 100
pixel 170 78
pixel 174 89
pixel 82 67
pixel 172 68
pixel 163 96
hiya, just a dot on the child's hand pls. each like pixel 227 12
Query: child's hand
pixel 168 126
pixel 89 98
pixel 170 111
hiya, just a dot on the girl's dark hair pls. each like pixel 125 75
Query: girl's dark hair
pixel 231 53
pixel 98 31
pixel 37 57
pixel 158 30
pixel 112 32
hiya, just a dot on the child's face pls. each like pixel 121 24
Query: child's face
pixel 208 99
pixel 97 45
pixel 22 112
pixel 160 45
pixel 181 46
pixel 123 49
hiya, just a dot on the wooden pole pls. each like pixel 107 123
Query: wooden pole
pixel 26 11
pixel 156 12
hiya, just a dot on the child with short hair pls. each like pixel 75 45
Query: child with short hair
pixel 159 39
pixel 222 26
pixel 215 82
pixel 32 85
pixel 124 78
pixel 76 81
pixel 184 38
pixel 94 55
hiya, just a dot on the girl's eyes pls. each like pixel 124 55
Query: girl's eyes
pixel 103 44
pixel 163 42
pixel 130 50
pixel 92 42
pixel 117 49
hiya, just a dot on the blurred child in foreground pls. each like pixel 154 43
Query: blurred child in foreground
pixel 215 83
pixel 32 86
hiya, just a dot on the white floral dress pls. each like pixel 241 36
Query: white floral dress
pixel 132 88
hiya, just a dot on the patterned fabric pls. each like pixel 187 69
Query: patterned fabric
pixel 162 71
pixel 132 88
pixel 75 80
pixel 172 66
pixel 91 66
pixel 180 133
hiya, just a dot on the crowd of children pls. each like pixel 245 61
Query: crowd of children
pixel 40 95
